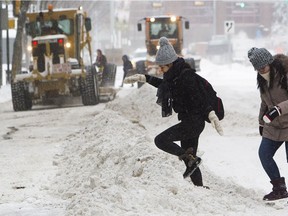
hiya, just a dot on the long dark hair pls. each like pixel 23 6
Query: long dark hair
pixel 275 67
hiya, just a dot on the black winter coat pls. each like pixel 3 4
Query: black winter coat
pixel 188 99
pixel 127 65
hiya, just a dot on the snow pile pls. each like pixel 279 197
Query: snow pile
pixel 140 107
pixel 112 167
pixel 140 104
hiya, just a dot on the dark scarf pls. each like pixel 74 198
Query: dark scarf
pixel 164 98
pixel 164 92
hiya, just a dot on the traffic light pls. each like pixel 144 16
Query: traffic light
pixel 240 4
pixel 16 7
pixel 199 3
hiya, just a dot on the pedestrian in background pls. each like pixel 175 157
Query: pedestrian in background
pixel 100 61
pixel 127 65
pixel 273 119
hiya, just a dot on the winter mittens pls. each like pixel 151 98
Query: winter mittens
pixel 135 78
pixel 272 114
pixel 215 122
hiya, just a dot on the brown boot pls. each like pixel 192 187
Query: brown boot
pixel 191 162
pixel 279 190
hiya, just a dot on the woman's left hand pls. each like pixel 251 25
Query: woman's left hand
pixel 272 114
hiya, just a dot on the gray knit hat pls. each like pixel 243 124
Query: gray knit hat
pixel 166 53
pixel 259 57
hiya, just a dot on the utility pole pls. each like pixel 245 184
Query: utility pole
pixel 3 25
pixel 112 25
pixel 1 21
pixel 214 17
pixel 8 52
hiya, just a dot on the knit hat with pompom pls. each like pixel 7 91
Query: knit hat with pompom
pixel 259 57
pixel 166 53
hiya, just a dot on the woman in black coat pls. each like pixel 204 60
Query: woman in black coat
pixel 181 91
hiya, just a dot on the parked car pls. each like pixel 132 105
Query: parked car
pixel 219 50
pixel 140 54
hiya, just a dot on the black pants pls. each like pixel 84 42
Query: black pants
pixel 187 132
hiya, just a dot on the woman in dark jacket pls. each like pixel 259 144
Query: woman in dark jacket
pixel 180 89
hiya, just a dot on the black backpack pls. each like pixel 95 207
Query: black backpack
pixel 213 99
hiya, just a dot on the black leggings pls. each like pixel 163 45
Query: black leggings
pixel 187 132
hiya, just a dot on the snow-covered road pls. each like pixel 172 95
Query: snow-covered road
pixel 30 141
pixel 101 160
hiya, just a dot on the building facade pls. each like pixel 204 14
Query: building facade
pixel 207 18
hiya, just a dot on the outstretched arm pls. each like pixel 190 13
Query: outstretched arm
pixel 154 81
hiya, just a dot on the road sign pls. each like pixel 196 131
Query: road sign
pixel 229 27
pixel 11 23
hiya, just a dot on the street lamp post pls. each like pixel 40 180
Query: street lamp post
pixel 1 44
pixel 214 17
pixel 8 52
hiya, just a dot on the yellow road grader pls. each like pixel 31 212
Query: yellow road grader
pixel 61 61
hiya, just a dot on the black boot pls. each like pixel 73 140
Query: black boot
pixel 196 179
pixel 191 162
pixel 279 190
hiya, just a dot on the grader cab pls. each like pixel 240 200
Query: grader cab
pixel 61 61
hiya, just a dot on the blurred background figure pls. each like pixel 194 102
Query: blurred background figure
pixel 164 32
pixel 101 61
pixel 127 65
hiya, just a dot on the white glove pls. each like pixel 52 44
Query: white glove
pixel 215 122
pixel 135 78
